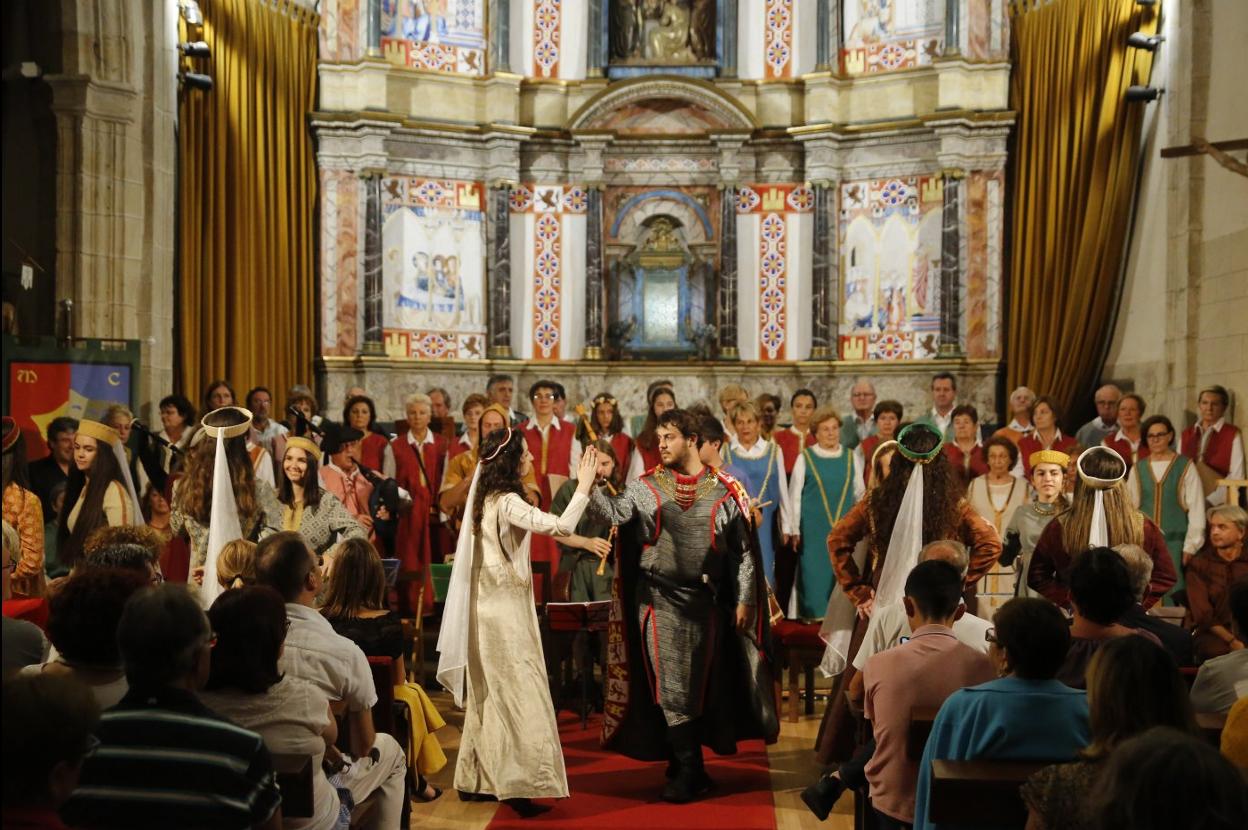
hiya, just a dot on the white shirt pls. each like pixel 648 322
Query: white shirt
pixel 798 481
pixel 862 426
pixel 1220 682
pixel 316 653
pixel 1017 427
pixel 889 624
pixel 1236 472
pixel 1190 488
pixel 942 422
pixel 264 437
pixel 574 458
pixel 760 449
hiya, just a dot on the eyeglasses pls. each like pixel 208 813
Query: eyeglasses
pixel 543 396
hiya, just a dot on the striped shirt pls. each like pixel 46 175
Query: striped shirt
pixel 165 760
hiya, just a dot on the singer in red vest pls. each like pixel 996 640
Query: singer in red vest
pixel 418 457
pixel 1214 444
pixel 555 451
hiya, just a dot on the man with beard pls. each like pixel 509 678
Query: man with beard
pixel 687 641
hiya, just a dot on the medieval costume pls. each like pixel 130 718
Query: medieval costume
pixel 1169 492
pixel 680 674
pixel 824 486
pixel 324 523
pixel 883 572
pixel 997 502
pixel 1031 443
pixel 1021 536
pixel 556 452
pixel 968 465
pixel 1121 443
pixel 760 469
pixel 24 514
pixel 1218 452
pixel 418 470
pixel 791 442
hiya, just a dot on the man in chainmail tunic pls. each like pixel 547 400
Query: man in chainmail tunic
pixel 684 607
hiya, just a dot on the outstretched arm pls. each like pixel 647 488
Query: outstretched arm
pixel 620 509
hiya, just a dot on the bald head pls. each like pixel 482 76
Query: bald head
pixel 862 398
pixel 1106 400
pixel 948 550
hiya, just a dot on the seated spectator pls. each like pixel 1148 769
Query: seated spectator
pixel 130 556
pixel 921 672
pixel 1165 779
pixel 236 564
pixel 292 715
pixel 47 726
pixel 1209 576
pixel 316 653
pixel 1132 687
pixel 1027 714
pixel 1175 639
pixel 1223 680
pixel 82 624
pixel 355 605
pixel 24 644
pixel 1100 595
pixel 224 776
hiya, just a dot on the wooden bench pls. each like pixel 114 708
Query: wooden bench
pixel 921 720
pixel 983 792
pixel 294 781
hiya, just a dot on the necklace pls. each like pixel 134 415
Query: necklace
pixel 998 513
pixel 684 494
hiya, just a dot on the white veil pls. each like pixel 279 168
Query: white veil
pixel 456 614
pixel 1098 533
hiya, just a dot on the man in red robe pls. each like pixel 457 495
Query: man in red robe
pixel 555 451
pixel 418 459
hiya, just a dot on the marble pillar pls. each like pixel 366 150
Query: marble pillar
pixel 728 57
pixel 950 265
pixel 500 36
pixel 594 307
pixel 374 29
pixel 727 284
pixel 373 338
pixel 825 292
pixel 596 59
pixel 953 27
pixel 498 243
pixel 828 39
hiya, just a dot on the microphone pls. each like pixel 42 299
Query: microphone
pixel 174 448
pixel 307 425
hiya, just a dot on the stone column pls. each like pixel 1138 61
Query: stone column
pixel 728 58
pixel 373 338
pixel 596 51
pixel 953 27
pixel 500 35
pixel 950 265
pixel 824 268
pixel 373 49
pixel 498 243
pixel 595 324
pixel 823 37
pixel 727 283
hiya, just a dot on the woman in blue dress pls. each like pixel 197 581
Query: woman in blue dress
pixel 758 464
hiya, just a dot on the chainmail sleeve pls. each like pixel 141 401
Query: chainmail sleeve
pixel 733 532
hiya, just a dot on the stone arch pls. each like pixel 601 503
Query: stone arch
pixel 711 108
pixel 692 216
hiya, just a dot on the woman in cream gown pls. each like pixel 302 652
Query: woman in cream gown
pixel 490 644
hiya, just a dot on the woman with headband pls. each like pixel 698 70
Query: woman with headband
pixel 608 425
pixel 1101 515
pixel 254 501
pixel 646 454
pixel 918 502
pixel 100 491
pixel 308 508
pixel 490 644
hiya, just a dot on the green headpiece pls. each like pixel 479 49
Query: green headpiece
pixel 919 457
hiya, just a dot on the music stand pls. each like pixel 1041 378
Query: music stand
pixel 574 618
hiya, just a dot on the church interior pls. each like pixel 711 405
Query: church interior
pixel 742 204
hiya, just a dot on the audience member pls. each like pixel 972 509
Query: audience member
pixel 1132 687
pixel 316 653
pixel 1223 680
pixel 419 456
pixel 1235 735
pixel 224 777
pixel 1028 713
pixel 1099 428
pixel 998 493
pixel 236 564
pixel 1046 412
pixel 944 400
pixel 83 618
pixel 24 513
pixel 888 415
pixel 47 727
pixel 136 547
pixel 54 468
pixel 1128 439
pixel 795 437
pixel 23 644
pixel 1175 639
pixel 966 454
pixel 1209 577
pixel 1101 594
pixel 860 422
pixel 1165 779
pixel 246 686
pixel 1216 446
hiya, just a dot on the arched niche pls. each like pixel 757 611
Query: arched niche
pixel 662 105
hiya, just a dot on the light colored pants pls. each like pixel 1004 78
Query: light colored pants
pixel 365 776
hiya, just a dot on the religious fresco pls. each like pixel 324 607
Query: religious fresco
pixel 435 35
pixel 433 268
pixel 663 32
pixel 890 268
pixel 885 35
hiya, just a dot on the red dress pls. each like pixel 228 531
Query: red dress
pixel 551 456
pixel 1050 565
pixel 791 445
pixel 966 466
pixel 622 446
pixel 1123 447
pixel 373 451
pixel 418 531
pixel 649 458
pixel 1218 450
pixel 1029 443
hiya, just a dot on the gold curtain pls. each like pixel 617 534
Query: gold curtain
pixel 1076 156
pixel 246 200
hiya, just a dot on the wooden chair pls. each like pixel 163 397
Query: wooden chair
pixel 294 781
pixel 980 793
pixel 414 628
pixel 384 722
pixel 1235 488
pixel 799 648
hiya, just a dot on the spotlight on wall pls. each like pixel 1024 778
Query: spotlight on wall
pixel 190 12
pixel 1142 93
pixel 1139 40
pixel 199 49
pixel 196 80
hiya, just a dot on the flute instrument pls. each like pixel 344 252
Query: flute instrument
pixel 602 563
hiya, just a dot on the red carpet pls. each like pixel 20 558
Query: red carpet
pixel 611 791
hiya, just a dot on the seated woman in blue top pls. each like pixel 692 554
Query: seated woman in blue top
pixel 1025 715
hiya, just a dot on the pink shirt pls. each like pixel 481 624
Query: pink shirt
pixel 919 673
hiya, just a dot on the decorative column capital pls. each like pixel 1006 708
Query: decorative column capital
pixel 953 174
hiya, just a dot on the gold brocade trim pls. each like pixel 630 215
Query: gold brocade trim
pixel 684 494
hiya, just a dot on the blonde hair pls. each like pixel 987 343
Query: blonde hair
pixel 745 408
pixel 1233 513
pixel 824 413
pixel 1125 524
pixel 236 565
pixel 417 398
pixel 114 411
pixel 732 392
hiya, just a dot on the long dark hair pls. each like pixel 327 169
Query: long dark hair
pixel 104 471
pixel 357 582
pixel 614 428
pixel 648 438
pixel 941 492
pixel 250 624
pixel 501 474
pixel 194 495
pixel 311 482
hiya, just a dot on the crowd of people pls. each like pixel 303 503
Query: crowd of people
pixel 211 592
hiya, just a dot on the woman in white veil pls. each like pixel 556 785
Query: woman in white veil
pixel 490 649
